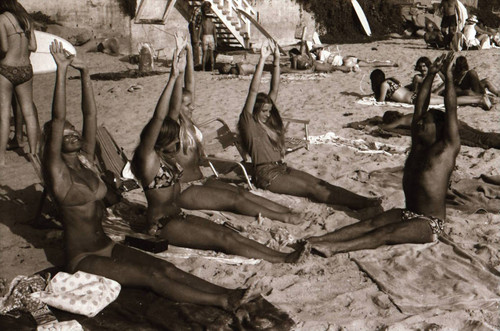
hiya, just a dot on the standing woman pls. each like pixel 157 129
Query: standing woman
pixel 263 133
pixel 78 191
pixel 159 173
pixel 17 41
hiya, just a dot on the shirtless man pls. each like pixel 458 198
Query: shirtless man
pixel 208 33
pixel 435 146
pixel 449 9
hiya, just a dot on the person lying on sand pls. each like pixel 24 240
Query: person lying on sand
pixel 467 81
pixel 433 37
pixel 473 137
pixel 199 193
pixel 262 132
pixel 154 165
pixel 435 146
pixel 389 89
pixel 78 191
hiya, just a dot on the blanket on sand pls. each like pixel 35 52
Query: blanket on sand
pixel 430 278
pixel 373 102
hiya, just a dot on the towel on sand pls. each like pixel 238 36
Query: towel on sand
pixel 372 101
pixel 431 277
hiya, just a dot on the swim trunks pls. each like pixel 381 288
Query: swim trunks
pixel 436 224
pixel 105 252
pixel 208 42
pixel 449 21
pixel 267 172
pixel 17 75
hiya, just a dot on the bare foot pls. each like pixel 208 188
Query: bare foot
pixel 486 103
pixel 325 249
pixel 293 218
pixel 241 296
pixel 300 254
pixel 491 179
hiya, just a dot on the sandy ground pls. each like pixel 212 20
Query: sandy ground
pixel 320 294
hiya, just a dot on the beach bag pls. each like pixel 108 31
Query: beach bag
pixel 81 293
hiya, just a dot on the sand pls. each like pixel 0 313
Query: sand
pixel 320 294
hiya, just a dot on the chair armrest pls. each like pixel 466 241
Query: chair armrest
pixel 209 159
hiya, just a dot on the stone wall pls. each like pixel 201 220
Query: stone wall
pixel 105 19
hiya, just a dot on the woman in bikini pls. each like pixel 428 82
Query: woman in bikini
pixel 427 171
pixel 78 191
pixel 467 81
pixel 262 133
pixel 154 164
pixel 199 193
pixel 17 41
pixel 389 89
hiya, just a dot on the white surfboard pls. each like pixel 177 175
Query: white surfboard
pixel 41 60
pixel 362 17
pixel 462 16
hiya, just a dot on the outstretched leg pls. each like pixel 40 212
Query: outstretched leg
pixel 302 184
pixel 416 231
pixel 196 232
pixel 216 198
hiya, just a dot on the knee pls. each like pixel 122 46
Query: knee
pixel 161 270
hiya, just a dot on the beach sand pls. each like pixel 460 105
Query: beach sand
pixel 338 293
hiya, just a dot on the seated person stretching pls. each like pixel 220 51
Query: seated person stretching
pixel 435 146
pixel 78 192
pixel 467 81
pixel 389 89
pixel 199 193
pixel 158 172
pixel 262 133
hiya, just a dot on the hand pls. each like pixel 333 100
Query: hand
pixel 437 65
pixel 61 56
pixel 180 42
pixel 78 63
pixel 274 48
pixel 265 51
pixel 448 62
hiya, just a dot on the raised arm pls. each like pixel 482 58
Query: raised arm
pixel 53 162
pixel 153 128
pixel 189 72
pixel 254 85
pixel 275 80
pixel 451 134
pixel 424 92
pixel 174 106
pixel 89 109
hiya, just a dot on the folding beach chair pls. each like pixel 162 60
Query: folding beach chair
pixel 218 141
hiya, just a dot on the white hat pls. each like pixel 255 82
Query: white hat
pixel 472 19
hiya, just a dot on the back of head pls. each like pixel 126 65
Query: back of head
pixel 206 6
pixel 439 120
pixel 391 116
pixel 18 11
pixel 461 64
pixel 377 77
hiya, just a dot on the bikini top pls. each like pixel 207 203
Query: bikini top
pixel 166 176
pixel 15 28
pixel 80 192
pixel 393 86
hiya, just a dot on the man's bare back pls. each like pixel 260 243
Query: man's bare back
pixel 449 7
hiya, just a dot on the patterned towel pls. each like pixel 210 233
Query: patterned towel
pixel 374 102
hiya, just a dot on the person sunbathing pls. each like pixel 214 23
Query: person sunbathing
pixel 154 165
pixel 427 171
pixel 262 132
pixel 468 135
pixel 78 191
pixel 200 193
pixel 390 89
pixel 467 81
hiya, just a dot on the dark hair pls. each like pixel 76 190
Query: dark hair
pixel 461 64
pixel 275 123
pixel 425 60
pixel 377 77
pixel 21 15
pixel 439 120
pixel 390 116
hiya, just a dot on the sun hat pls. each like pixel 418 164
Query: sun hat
pixel 472 19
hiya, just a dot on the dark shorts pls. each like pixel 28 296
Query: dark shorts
pixel 267 172
pixel 449 21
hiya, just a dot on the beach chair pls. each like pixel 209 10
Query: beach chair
pixel 219 140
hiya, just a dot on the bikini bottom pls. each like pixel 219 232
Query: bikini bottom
pixel 436 224
pixel 104 252
pixel 17 75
